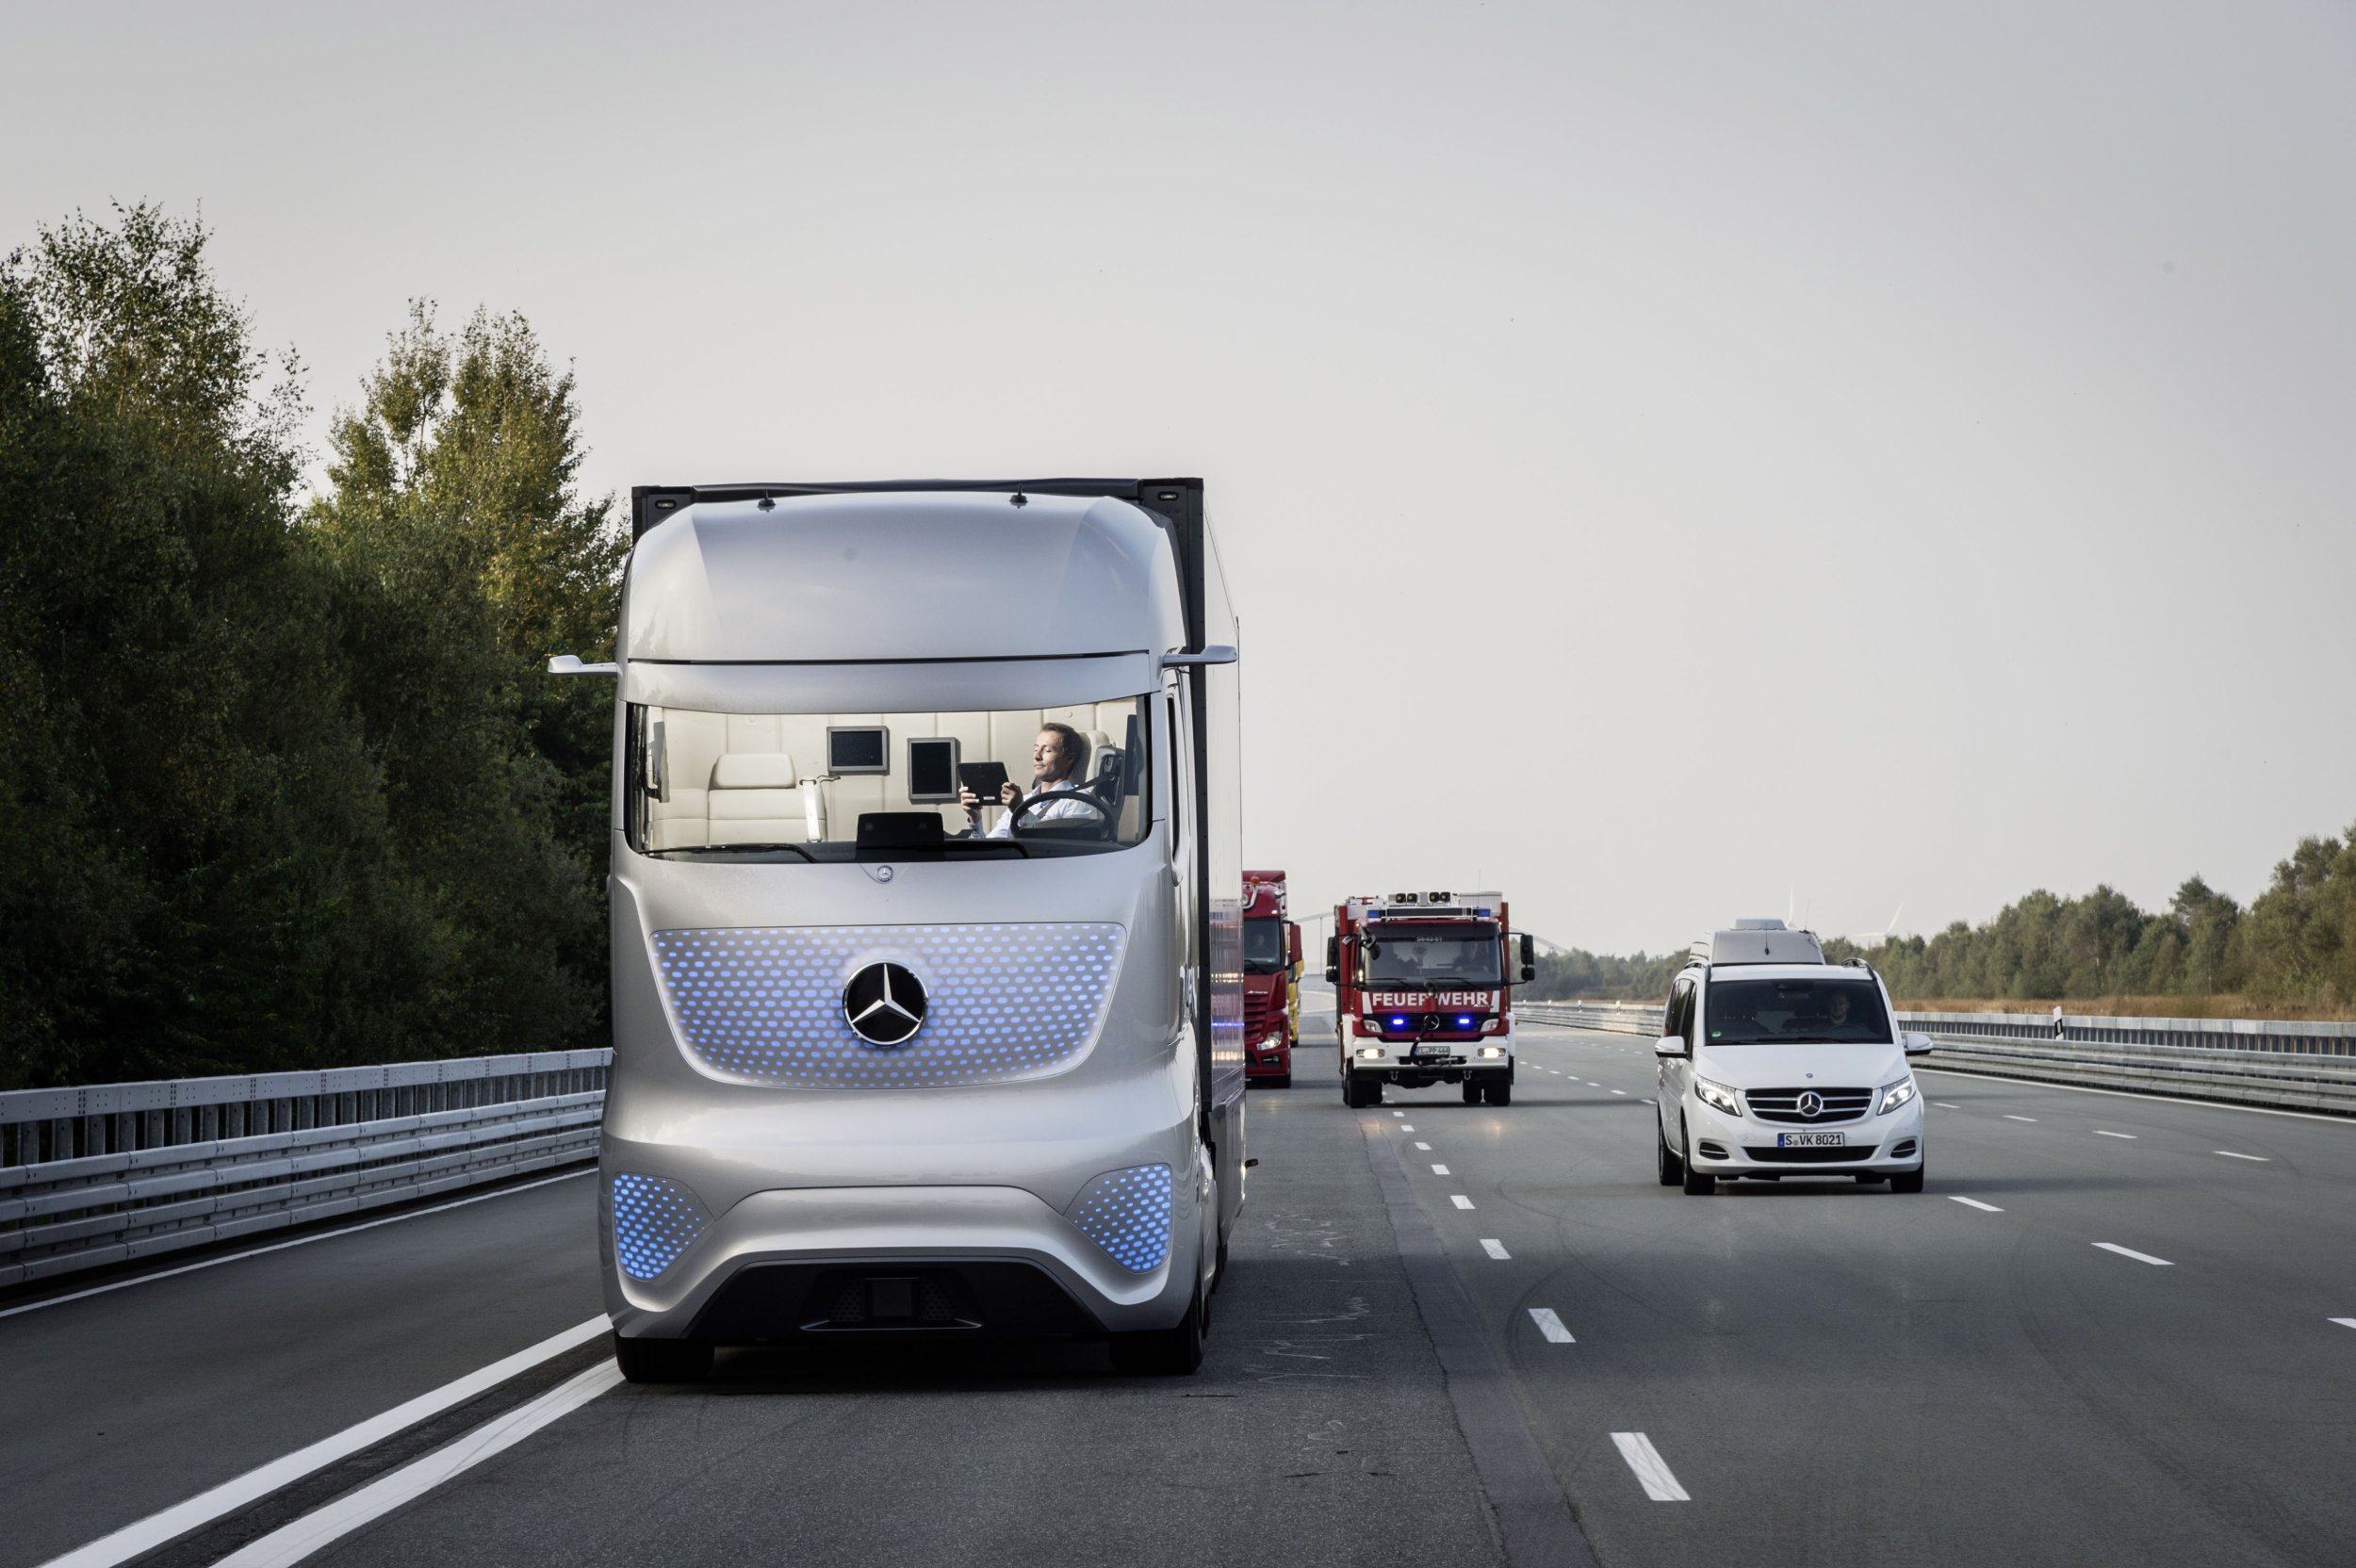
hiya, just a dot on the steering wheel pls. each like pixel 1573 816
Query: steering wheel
pixel 1104 826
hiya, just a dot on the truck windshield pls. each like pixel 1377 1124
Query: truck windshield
pixel 1407 958
pixel 1263 946
pixel 808 787
pixel 1833 1012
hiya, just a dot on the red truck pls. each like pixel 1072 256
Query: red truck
pixel 1424 986
pixel 1271 980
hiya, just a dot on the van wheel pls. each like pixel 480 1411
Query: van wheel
pixel 1163 1352
pixel 1671 1168
pixel 662 1361
pixel 1908 1181
pixel 1698 1184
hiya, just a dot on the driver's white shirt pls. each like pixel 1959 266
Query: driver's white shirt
pixel 1048 813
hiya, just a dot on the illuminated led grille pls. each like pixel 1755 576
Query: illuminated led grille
pixel 654 1221
pixel 1003 1002
pixel 1127 1213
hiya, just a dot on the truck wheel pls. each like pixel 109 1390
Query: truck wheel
pixel 1472 1091
pixel 1365 1090
pixel 1671 1168
pixel 1282 1080
pixel 662 1361
pixel 1163 1352
pixel 1500 1092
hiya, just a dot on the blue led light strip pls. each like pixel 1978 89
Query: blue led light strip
pixel 654 1221
pixel 1127 1213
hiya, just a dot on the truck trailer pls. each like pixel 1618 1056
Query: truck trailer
pixel 927 920
pixel 1271 980
pixel 1424 993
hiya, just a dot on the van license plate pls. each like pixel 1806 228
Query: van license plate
pixel 1810 1140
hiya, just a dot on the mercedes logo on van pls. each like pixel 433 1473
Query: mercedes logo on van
pixel 1811 1103
pixel 884 1004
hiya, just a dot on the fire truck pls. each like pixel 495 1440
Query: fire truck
pixel 1424 993
pixel 1271 980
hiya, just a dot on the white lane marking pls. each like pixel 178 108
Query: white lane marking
pixel 2009 1116
pixel 1619 1091
pixel 2345 1322
pixel 1976 1203
pixel 1460 1199
pixel 2131 1252
pixel 2100 1133
pixel 1592 1086
pixel 1408 1127
pixel 1946 1104
pixel 1424 1146
pixel 1496 1248
pixel 293 1543
pixel 1551 1326
pixel 2132 1094
pixel 299 1241
pixel 1652 1471
pixel 1398 1113
pixel 1439 1170
pixel 2260 1159
pixel 157 1528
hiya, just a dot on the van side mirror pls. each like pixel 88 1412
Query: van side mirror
pixel 569 663
pixel 1671 1045
pixel 1917 1045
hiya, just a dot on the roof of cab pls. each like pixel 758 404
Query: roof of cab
pixel 870 576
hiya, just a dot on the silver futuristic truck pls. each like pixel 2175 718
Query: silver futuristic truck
pixel 927 920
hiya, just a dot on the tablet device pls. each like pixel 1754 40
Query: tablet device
pixel 984 778
pixel 932 769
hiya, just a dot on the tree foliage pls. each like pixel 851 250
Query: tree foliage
pixel 273 793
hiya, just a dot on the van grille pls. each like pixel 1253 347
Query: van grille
pixel 1769 1154
pixel 763 1005
pixel 1784 1105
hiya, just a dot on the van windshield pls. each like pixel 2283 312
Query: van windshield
pixel 1802 1012
pixel 1414 957
pixel 807 787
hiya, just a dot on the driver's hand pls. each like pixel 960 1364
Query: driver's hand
pixel 1010 794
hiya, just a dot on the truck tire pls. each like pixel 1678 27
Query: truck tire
pixel 1174 1352
pixel 662 1361
pixel 1500 1092
pixel 1472 1091
pixel 1365 1090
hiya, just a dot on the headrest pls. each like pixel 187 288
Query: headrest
pixel 753 770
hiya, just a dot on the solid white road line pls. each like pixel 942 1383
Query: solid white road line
pixel 295 1541
pixel 2345 1322
pixel 1652 1471
pixel 1439 1170
pixel 1460 1199
pixel 1975 1203
pixel 2133 1094
pixel 1496 1248
pixel 205 1506
pixel 2009 1116
pixel 2100 1133
pixel 1424 1146
pixel 299 1241
pixel 1550 1326
pixel 2131 1252
pixel 2260 1159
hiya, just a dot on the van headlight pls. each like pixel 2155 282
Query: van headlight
pixel 1717 1096
pixel 1896 1095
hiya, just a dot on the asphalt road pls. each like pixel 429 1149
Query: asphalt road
pixel 1809 1373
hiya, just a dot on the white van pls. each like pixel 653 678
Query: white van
pixel 1774 1064
pixel 889 1057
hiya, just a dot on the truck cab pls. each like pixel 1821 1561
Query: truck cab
pixel 1271 980
pixel 1424 993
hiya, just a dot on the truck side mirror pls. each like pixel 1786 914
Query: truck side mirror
pixel 1332 974
pixel 1292 944
pixel 1332 960
pixel 1530 957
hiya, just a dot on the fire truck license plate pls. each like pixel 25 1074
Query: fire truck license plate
pixel 1810 1140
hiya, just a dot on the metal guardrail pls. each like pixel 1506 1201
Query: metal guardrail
pixel 115 1171
pixel 2294 1064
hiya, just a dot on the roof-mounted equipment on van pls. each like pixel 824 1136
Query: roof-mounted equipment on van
pixel 1758 941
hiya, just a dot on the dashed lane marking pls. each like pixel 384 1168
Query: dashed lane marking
pixel 2345 1322
pixel 1550 1326
pixel 1946 1104
pixel 2009 1116
pixel 1496 1248
pixel 1406 1127
pixel 2131 1252
pixel 1652 1471
pixel 1439 1170
pixel 1619 1091
pixel 1460 1199
pixel 2259 1159
pixel 1975 1203
pixel 2100 1133
pixel 1424 1146
pixel 1398 1113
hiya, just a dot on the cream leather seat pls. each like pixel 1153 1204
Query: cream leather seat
pixel 756 798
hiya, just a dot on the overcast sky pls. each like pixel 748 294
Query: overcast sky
pixel 1672 459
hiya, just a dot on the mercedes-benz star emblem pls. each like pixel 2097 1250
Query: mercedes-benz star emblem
pixel 1811 1103
pixel 884 1004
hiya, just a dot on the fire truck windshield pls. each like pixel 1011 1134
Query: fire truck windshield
pixel 1263 946
pixel 1438 955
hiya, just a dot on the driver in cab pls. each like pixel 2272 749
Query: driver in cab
pixel 1059 762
